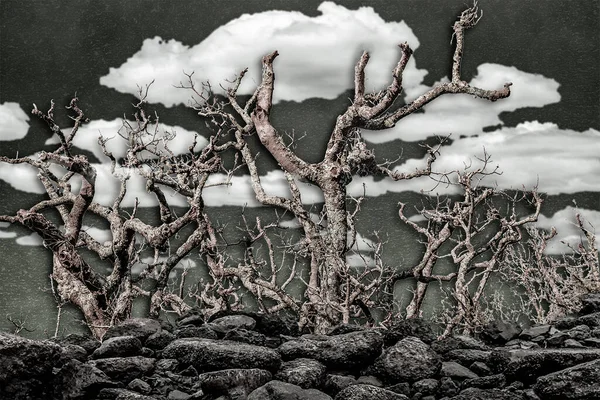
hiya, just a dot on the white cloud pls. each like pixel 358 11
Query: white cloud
pixel 317 55
pixel 13 122
pixel 462 114
pixel 567 229
pixel 561 160
pixel 87 138
pixel 7 235
pixel 32 240
pixel 101 235
pixel 21 177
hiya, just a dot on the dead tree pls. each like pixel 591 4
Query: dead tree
pixel 332 288
pixel 334 291
pixel 551 286
pixel 472 234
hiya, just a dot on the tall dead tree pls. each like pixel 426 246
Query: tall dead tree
pixel 334 291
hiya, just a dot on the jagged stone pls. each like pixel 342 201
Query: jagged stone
pixel 222 382
pixel 141 328
pixel 426 386
pixel 534 331
pixel 480 368
pixel 457 342
pixel 344 328
pixel 557 339
pixel 580 332
pixel 191 319
pixel 448 387
pixel 590 303
pixel 122 394
pixel 73 352
pixel 467 357
pixel 26 367
pixel 415 327
pixel 159 340
pixel 400 388
pixel 486 382
pixel 277 390
pixel 572 343
pixel 527 365
pixel 335 383
pixel 190 331
pixel 456 371
pixel 368 392
pixel 87 342
pixel 500 332
pixel 76 380
pixel 139 386
pixel 124 369
pixel 303 372
pixel 487 394
pixel 346 351
pixel 246 336
pixel 231 322
pixel 209 355
pixel 120 346
pixel 178 395
pixel 576 383
pixel 409 360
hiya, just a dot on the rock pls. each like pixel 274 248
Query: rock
pixel 573 344
pixel 557 339
pixel 124 369
pixel 178 395
pixel 141 328
pixel 591 320
pixel 190 331
pixel 566 322
pixel 346 351
pixel 590 303
pixel 231 322
pixel 276 324
pixel 246 336
pixel 534 331
pixel 139 386
pixel 303 372
pixel 448 387
pixel 527 365
pixel 209 355
pixel 159 340
pixel 487 394
pixel 409 360
pixel 426 386
pixel 344 328
pixel 456 371
pixel 277 390
pixel 592 342
pixel 486 382
pixel 456 342
pixel 415 327
pixel 500 332
pixel 122 394
pixel 401 388
pixel 76 380
pixel 191 319
pixel 120 346
pixel 368 392
pixel 73 352
pixel 369 380
pixel 480 368
pixel 26 367
pixel 578 382
pixel 335 383
pixel 221 382
pixel 467 357
pixel 166 365
pixel 87 342
pixel 580 332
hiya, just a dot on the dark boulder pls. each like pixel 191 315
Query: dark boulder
pixel 581 382
pixel 140 328
pixel 303 372
pixel 500 332
pixel 415 327
pixel 277 390
pixel 345 351
pixel 120 346
pixel 76 380
pixel 368 392
pixel 488 394
pixel 590 303
pixel 409 360
pixel 242 381
pixel 209 355
pixel 124 369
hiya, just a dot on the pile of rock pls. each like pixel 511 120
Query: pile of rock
pixel 263 357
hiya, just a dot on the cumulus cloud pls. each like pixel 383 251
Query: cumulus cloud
pixel 7 235
pixel 13 122
pixel 87 137
pixel 461 114
pixel 567 229
pixel 32 240
pixel 317 55
pixel 561 160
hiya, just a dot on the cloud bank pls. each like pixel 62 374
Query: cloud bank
pixel 566 228
pixel 13 122
pixel 317 55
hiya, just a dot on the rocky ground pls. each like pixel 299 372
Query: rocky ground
pixel 263 357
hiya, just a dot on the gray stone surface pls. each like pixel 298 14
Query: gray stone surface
pixel 408 360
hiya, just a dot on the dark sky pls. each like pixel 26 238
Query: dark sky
pixel 50 49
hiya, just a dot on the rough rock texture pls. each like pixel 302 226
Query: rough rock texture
pixel 578 382
pixel 140 328
pixel 120 346
pixel 488 394
pixel 238 380
pixel 500 332
pixel 124 369
pixel 210 355
pixel 77 380
pixel 277 390
pixel 408 360
pixel 346 351
pixel 25 367
pixel 302 372
pixel 368 392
